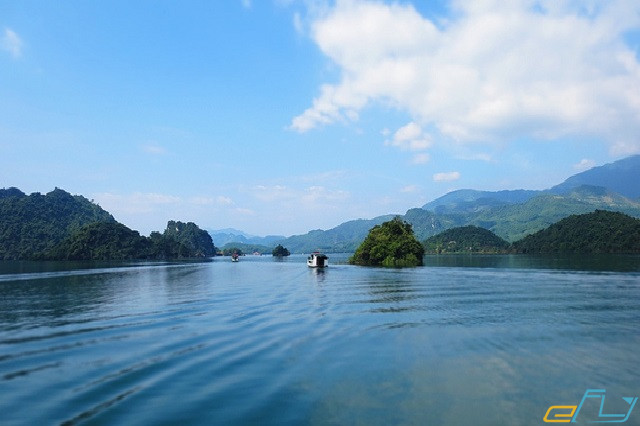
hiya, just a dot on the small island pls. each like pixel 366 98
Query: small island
pixel 280 251
pixel 391 244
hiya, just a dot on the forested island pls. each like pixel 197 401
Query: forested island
pixel 280 251
pixel 391 244
pixel 61 226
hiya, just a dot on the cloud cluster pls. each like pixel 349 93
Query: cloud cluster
pixel 11 42
pixel 315 197
pixel 137 203
pixel 446 176
pixel 493 71
pixel 412 138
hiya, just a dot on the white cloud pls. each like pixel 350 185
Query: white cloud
pixel 446 176
pixel 584 164
pixel 137 202
pixel 421 158
pixel 410 138
pixel 222 200
pixel 11 43
pixel 272 193
pixel 495 71
pixel 319 194
pixel 410 189
pixel 154 149
pixel 246 4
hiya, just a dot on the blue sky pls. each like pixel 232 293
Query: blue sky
pixel 282 116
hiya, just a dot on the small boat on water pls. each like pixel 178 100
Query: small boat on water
pixel 317 260
pixel 235 257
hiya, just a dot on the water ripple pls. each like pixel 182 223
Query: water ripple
pixel 272 343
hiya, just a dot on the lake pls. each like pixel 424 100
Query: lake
pixel 465 340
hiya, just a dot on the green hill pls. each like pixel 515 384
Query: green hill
pixel 466 239
pixel 114 241
pixel 32 225
pixel 597 232
pixel 59 225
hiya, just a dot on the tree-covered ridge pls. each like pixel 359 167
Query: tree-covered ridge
pixel 598 232
pixel 191 240
pixel 114 241
pixel 244 248
pixel 466 239
pixel 390 244
pixel 59 225
pixel 102 241
pixel 31 226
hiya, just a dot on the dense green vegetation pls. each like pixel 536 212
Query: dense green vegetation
pixel 59 225
pixel 31 226
pixel 229 248
pixel 280 251
pixel 188 239
pixel 390 244
pixel 597 232
pixel 114 241
pixel 102 241
pixel 467 239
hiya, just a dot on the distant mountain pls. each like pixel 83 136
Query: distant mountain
pixel 509 214
pixel 343 238
pixel 223 237
pixel 466 201
pixel 515 221
pixel 622 176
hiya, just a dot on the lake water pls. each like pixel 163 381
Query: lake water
pixel 465 340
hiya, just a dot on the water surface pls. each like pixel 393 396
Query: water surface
pixel 261 341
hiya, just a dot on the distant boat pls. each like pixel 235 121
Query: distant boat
pixel 317 260
pixel 235 257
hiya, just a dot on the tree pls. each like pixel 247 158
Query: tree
pixel 280 251
pixel 390 244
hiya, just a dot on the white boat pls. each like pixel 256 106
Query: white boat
pixel 317 260
pixel 235 257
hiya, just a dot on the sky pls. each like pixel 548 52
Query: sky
pixel 283 116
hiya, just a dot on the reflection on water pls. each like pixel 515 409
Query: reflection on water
pixel 483 340
pixel 575 262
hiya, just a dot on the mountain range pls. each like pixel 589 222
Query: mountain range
pixel 510 214
pixel 225 236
